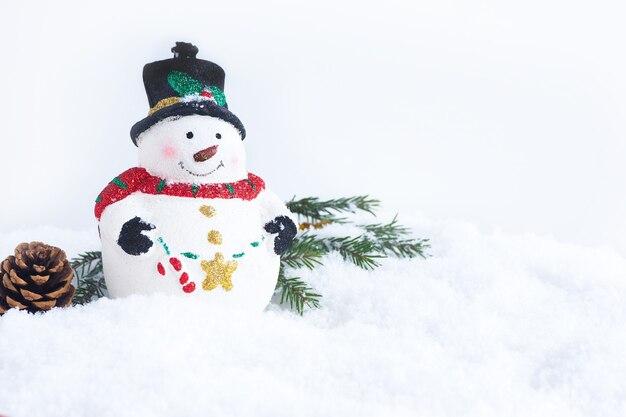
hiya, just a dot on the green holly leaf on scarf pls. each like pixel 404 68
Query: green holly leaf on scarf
pixel 183 84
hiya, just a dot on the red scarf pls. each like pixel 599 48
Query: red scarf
pixel 139 180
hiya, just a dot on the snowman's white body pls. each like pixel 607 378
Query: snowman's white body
pixel 182 228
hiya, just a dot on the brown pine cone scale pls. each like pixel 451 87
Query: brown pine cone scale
pixel 37 277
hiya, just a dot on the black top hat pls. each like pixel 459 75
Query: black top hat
pixel 182 86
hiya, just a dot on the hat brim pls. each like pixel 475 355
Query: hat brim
pixel 203 108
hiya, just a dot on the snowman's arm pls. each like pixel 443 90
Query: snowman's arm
pixel 277 220
pixel 131 238
pixel 126 225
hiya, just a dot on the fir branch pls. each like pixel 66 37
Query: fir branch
pixel 90 284
pixel 409 248
pixel 297 293
pixel 391 239
pixel 306 250
pixel 84 260
pixel 312 209
pixel 359 250
pixel 392 229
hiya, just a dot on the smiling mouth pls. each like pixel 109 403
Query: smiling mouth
pixel 221 164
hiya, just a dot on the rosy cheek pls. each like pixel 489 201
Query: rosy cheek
pixel 169 151
pixel 234 162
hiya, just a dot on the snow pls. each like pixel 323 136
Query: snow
pixel 489 325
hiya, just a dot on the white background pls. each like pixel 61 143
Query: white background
pixel 506 114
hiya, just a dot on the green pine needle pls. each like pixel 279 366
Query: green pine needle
pixel 306 251
pixel 391 238
pixel 359 250
pixel 89 276
pixel 296 293
pixel 312 209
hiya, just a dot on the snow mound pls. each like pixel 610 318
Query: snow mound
pixel 490 325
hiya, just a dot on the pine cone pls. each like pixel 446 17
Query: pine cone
pixel 37 278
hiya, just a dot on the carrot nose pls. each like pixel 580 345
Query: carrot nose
pixel 205 154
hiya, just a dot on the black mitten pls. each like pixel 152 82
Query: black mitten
pixel 286 230
pixel 131 239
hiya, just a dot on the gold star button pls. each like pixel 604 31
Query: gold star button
pixel 218 272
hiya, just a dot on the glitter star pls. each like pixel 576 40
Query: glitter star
pixel 218 272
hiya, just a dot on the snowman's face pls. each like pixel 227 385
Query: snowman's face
pixel 193 149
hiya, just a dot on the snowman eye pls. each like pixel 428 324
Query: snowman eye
pixel 217 135
pixel 189 135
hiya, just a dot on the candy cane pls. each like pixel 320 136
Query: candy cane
pixel 187 286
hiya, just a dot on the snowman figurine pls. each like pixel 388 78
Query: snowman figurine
pixel 190 219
